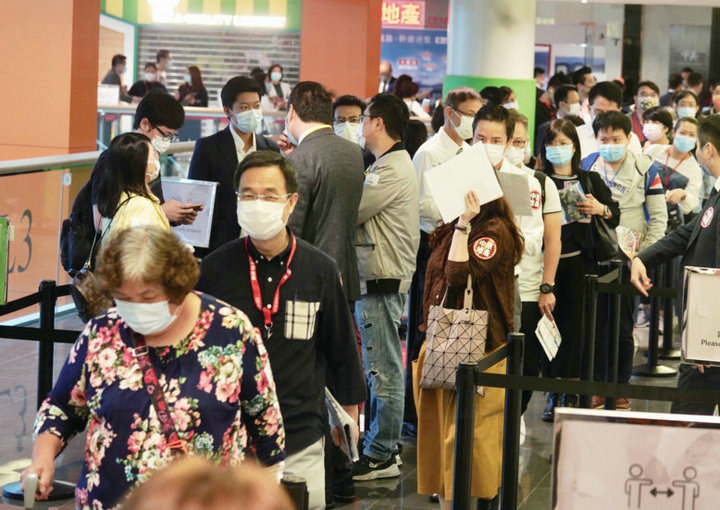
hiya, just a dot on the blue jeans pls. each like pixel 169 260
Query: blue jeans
pixel 378 318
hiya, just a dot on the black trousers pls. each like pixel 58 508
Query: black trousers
pixel 534 358
pixel 415 338
pixel 691 378
pixel 568 314
pixel 626 347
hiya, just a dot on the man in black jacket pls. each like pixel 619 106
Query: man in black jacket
pixel 217 156
pixel 698 243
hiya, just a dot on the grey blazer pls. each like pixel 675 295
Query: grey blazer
pixel 330 172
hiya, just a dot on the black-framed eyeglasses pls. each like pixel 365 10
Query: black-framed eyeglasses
pixel 167 137
pixel 463 114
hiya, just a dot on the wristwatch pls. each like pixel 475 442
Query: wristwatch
pixel 465 228
pixel 547 288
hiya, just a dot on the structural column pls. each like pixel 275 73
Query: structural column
pixel 492 43
pixel 340 44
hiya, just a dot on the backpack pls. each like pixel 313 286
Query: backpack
pixel 78 232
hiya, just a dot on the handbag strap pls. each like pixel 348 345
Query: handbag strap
pixel 468 300
pixel 142 354
pixel 96 241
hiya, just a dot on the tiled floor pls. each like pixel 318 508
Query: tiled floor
pixel 18 373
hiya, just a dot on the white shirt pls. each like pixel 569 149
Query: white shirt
pixel 416 109
pixel 531 267
pixel 532 227
pixel 240 145
pixel 688 168
pixel 437 150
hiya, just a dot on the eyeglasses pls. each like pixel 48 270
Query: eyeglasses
pixel 463 114
pixel 249 197
pixel 362 117
pixel 167 137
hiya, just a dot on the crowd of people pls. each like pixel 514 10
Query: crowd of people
pixel 321 236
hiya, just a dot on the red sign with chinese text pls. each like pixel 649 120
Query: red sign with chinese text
pixel 403 14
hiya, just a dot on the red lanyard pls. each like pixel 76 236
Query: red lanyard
pixel 157 397
pixel 666 180
pixel 257 296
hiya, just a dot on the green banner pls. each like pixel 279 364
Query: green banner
pixel 4 247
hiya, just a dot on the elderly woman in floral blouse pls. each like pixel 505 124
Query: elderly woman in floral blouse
pixel 210 364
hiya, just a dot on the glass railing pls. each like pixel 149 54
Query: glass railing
pixel 36 195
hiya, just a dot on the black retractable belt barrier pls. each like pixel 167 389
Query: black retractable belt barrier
pixel 47 335
pixel 466 382
pixel 588 321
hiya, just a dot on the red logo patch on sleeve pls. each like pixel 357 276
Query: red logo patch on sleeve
pixel 535 199
pixel 485 248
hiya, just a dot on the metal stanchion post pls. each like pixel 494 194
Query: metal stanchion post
pixel 589 320
pixel 46 348
pixel 464 433
pixel 614 340
pixel 651 368
pixel 511 442
pixel 667 352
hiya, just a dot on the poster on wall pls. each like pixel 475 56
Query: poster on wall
pixel 414 41
pixel 689 47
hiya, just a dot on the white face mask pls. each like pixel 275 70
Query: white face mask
pixel 495 153
pixel 156 173
pixel 359 137
pixel 652 131
pixel 146 318
pixel 515 156
pixel 160 144
pixel 261 219
pixel 150 77
pixel 574 109
pixel 187 78
pixel 249 121
pixel 511 106
pixel 347 130
pixel 464 130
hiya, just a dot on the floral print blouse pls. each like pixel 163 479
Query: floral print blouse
pixel 217 383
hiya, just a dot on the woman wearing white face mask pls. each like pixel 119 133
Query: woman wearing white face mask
pixel 149 82
pixel 163 347
pixel 657 126
pixel 126 200
pixel 278 91
pixel 679 170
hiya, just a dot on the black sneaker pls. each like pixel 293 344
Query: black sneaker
pixel 369 469
pixel 548 413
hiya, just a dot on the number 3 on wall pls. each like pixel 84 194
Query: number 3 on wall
pixel 28 242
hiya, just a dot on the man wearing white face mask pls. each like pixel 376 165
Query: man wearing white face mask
pixel 636 186
pixel 216 156
pixel 346 116
pixel 330 177
pixel 159 116
pixel 647 95
pixel 292 293
pixel 149 82
pixel 567 102
pixel 494 127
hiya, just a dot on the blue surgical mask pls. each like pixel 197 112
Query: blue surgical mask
pixel 187 78
pixel 559 155
pixel 612 152
pixel 687 111
pixel 684 143
pixel 275 76
pixel 248 121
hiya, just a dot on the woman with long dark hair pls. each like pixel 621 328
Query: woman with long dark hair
pixel 193 92
pixel 585 198
pixel 126 200
pixel 485 243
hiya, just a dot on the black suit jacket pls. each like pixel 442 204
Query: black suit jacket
pixel 699 245
pixel 330 173
pixel 215 159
